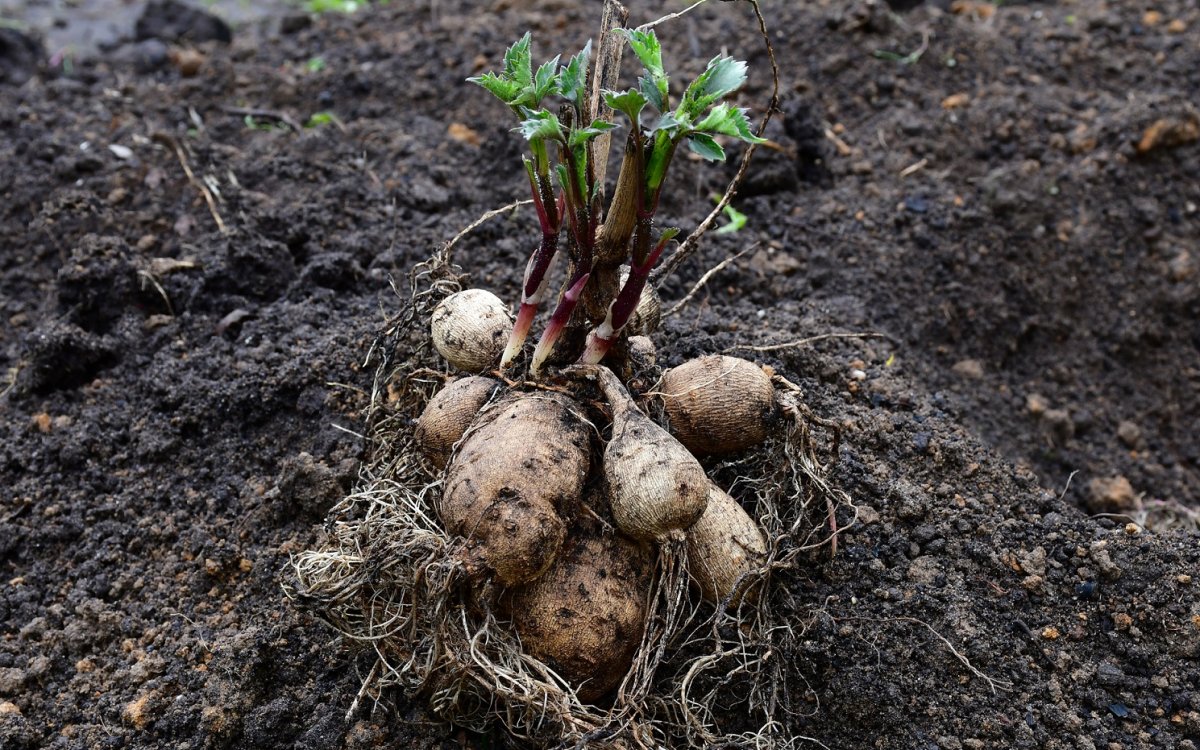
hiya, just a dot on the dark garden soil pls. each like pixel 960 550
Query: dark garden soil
pixel 1010 195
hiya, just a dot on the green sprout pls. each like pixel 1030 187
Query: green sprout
pixel 552 109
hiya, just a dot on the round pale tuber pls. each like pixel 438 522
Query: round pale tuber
pixel 723 546
pixel 654 484
pixel 513 474
pixel 718 404
pixel 584 618
pixel 448 415
pixel 470 329
pixel 642 352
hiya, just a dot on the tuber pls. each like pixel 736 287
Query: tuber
pixel 470 329
pixel 448 415
pixel 585 616
pixel 723 546
pixel 515 472
pixel 654 484
pixel 718 404
pixel 647 316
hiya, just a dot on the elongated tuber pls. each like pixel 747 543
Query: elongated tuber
pixel 513 474
pixel 718 404
pixel 654 484
pixel 723 546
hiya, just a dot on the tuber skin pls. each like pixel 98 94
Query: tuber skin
pixel 470 329
pixel 647 316
pixel 723 546
pixel 448 415
pixel 585 617
pixel 718 404
pixel 654 485
pixel 513 478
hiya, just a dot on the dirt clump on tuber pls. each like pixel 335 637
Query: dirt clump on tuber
pixel 718 404
pixel 448 415
pixel 515 475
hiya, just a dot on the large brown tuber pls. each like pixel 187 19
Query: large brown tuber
pixel 448 415
pixel 654 484
pixel 513 475
pixel 718 404
pixel 585 616
pixel 723 546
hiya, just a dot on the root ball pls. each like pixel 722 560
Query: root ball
pixel 470 329
pixel 718 404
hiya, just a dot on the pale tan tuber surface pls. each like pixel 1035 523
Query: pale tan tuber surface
pixel 718 404
pixel 647 316
pixel 642 351
pixel 470 329
pixel 448 415
pixel 654 484
pixel 511 477
pixel 585 616
pixel 724 545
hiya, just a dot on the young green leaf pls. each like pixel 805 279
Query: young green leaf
pixel 573 78
pixel 505 90
pixel 580 136
pixel 653 85
pixel 541 125
pixel 630 102
pixel 737 220
pixel 703 144
pixel 645 45
pixel 728 120
pixel 545 83
pixel 723 76
pixel 518 62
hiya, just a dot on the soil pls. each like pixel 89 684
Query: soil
pixel 1009 195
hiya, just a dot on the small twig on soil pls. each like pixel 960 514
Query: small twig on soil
pixel 912 169
pixel 172 144
pixel 690 245
pixel 842 147
pixel 266 114
pixel 995 685
pixel 671 16
pixel 705 279
pixel 475 224
pixel 810 340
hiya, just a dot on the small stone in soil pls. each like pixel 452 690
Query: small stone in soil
pixel 969 368
pixel 1110 495
pixel 1061 427
pixel 1129 433
pixel 1036 404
